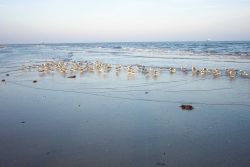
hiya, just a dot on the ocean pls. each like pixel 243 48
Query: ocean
pixel 208 53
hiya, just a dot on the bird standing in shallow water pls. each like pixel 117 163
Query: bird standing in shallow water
pixel 244 74
pixel 216 72
pixel 231 72
pixel 172 70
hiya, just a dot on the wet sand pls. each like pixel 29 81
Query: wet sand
pixel 125 118
pixel 118 120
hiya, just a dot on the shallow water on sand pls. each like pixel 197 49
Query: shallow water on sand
pixel 120 120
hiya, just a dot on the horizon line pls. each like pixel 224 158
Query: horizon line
pixel 97 42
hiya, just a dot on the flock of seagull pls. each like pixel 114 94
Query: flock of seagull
pixel 73 67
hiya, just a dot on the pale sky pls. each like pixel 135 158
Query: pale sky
pixel 51 21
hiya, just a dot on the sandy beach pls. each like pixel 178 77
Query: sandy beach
pixel 124 112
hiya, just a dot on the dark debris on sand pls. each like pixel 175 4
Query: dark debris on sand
pixel 35 81
pixel 186 107
pixel 73 76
